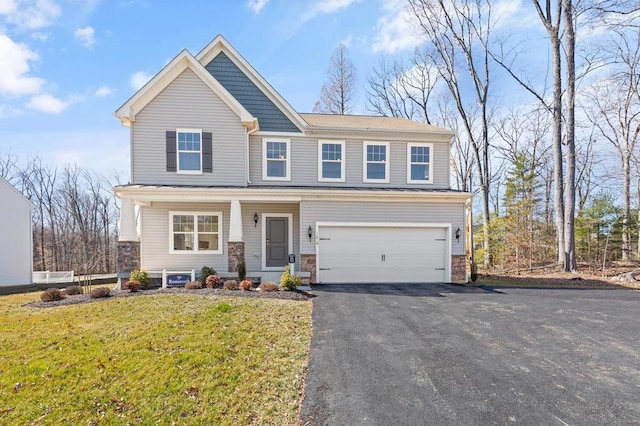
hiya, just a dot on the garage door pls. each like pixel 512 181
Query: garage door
pixel 366 254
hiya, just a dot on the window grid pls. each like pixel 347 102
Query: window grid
pixel 376 167
pixel 276 159
pixel 189 151
pixel 331 161
pixel 192 232
pixel 419 163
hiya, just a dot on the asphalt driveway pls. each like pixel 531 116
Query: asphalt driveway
pixel 453 355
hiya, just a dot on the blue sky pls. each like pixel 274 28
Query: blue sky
pixel 66 65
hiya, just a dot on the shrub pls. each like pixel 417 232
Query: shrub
pixel 73 289
pixel 268 287
pixel 205 272
pixel 242 270
pixel 212 281
pixel 287 281
pixel 132 285
pixel 231 285
pixel 100 292
pixel 474 272
pixel 246 285
pixel 142 277
pixel 51 295
pixel 193 285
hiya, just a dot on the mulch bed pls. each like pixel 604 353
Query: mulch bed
pixel 554 280
pixel 206 292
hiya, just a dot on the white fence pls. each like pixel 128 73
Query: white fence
pixel 46 277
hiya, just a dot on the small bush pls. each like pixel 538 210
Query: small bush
pixel 231 285
pixel 193 285
pixel 100 292
pixel 51 295
pixel 268 286
pixel 205 272
pixel 474 272
pixel 132 285
pixel 213 281
pixel 289 282
pixel 142 277
pixel 73 289
pixel 246 285
pixel 242 270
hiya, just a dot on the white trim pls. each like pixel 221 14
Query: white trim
pixel 343 160
pixel 196 250
pixel 263 247
pixel 187 172
pixel 365 144
pixel 430 163
pixel 287 159
pixel 446 226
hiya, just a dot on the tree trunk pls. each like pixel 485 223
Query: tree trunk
pixel 626 215
pixel 557 148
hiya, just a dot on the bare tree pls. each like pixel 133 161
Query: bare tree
pixel 613 108
pixel 458 33
pixel 337 93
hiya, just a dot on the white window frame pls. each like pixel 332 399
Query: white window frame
pixel 187 172
pixel 430 163
pixel 321 161
pixel 196 248
pixel 365 163
pixel 287 160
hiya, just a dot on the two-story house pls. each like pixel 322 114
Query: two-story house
pixel 224 169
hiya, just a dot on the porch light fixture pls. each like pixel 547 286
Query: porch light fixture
pixel 310 232
pixel 458 235
pixel 255 220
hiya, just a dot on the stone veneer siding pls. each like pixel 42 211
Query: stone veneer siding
pixel 308 264
pixel 235 254
pixel 127 257
pixel 458 268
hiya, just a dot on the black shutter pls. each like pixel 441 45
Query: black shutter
pixel 171 151
pixel 207 152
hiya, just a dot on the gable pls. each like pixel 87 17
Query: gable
pixel 254 100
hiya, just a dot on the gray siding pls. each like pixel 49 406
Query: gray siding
pixel 187 103
pixel 249 95
pixel 154 250
pixel 304 164
pixel 386 212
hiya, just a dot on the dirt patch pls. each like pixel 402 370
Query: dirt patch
pixel 556 279
pixel 206 292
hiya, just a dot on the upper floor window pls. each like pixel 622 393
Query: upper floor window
pixel 276 164
pixel 194 232
pixel 419 168
pixel 375 162
pixel 331 161
pixel 189 150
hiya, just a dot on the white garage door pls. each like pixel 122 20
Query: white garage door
pixel 366 254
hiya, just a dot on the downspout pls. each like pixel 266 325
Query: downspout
pixel 469 221
pixel 246 151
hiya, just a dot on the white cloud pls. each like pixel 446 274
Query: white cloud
pixel 395 29
pixel 325 7
pixel 7 7
pixel 14 68
pixel 257 5
pixel 47 103
pixel 139 79
pixel 86 36
pixel 9 112
pixel 40 36
pixel 104 91
pixel 31 14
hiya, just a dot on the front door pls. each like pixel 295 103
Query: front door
pixel 277 241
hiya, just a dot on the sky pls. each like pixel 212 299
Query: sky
pixel 67 65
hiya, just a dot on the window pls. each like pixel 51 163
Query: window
pixel 195 232
pixel 331 161
pixel 376 162
pixel 419 168
pixel 189 151
pixel 275 162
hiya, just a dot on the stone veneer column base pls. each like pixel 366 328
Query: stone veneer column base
pixel 127 258
pixel 235 254
pixel 308 264
pixel 459 268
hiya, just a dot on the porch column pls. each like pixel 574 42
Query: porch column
pixel 128 246
pixel 235 245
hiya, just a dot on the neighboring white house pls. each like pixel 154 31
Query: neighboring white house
pixel 16 253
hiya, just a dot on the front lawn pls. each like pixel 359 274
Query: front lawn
pixel 161 359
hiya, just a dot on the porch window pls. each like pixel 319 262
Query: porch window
pixel 419 168
pixel 276 163
pixel 331 161
pixel 196 232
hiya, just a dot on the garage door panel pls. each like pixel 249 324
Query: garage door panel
pixel 382 254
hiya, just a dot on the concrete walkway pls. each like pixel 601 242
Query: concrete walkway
pixel 453 355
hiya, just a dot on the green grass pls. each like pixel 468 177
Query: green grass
pixel 165 359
